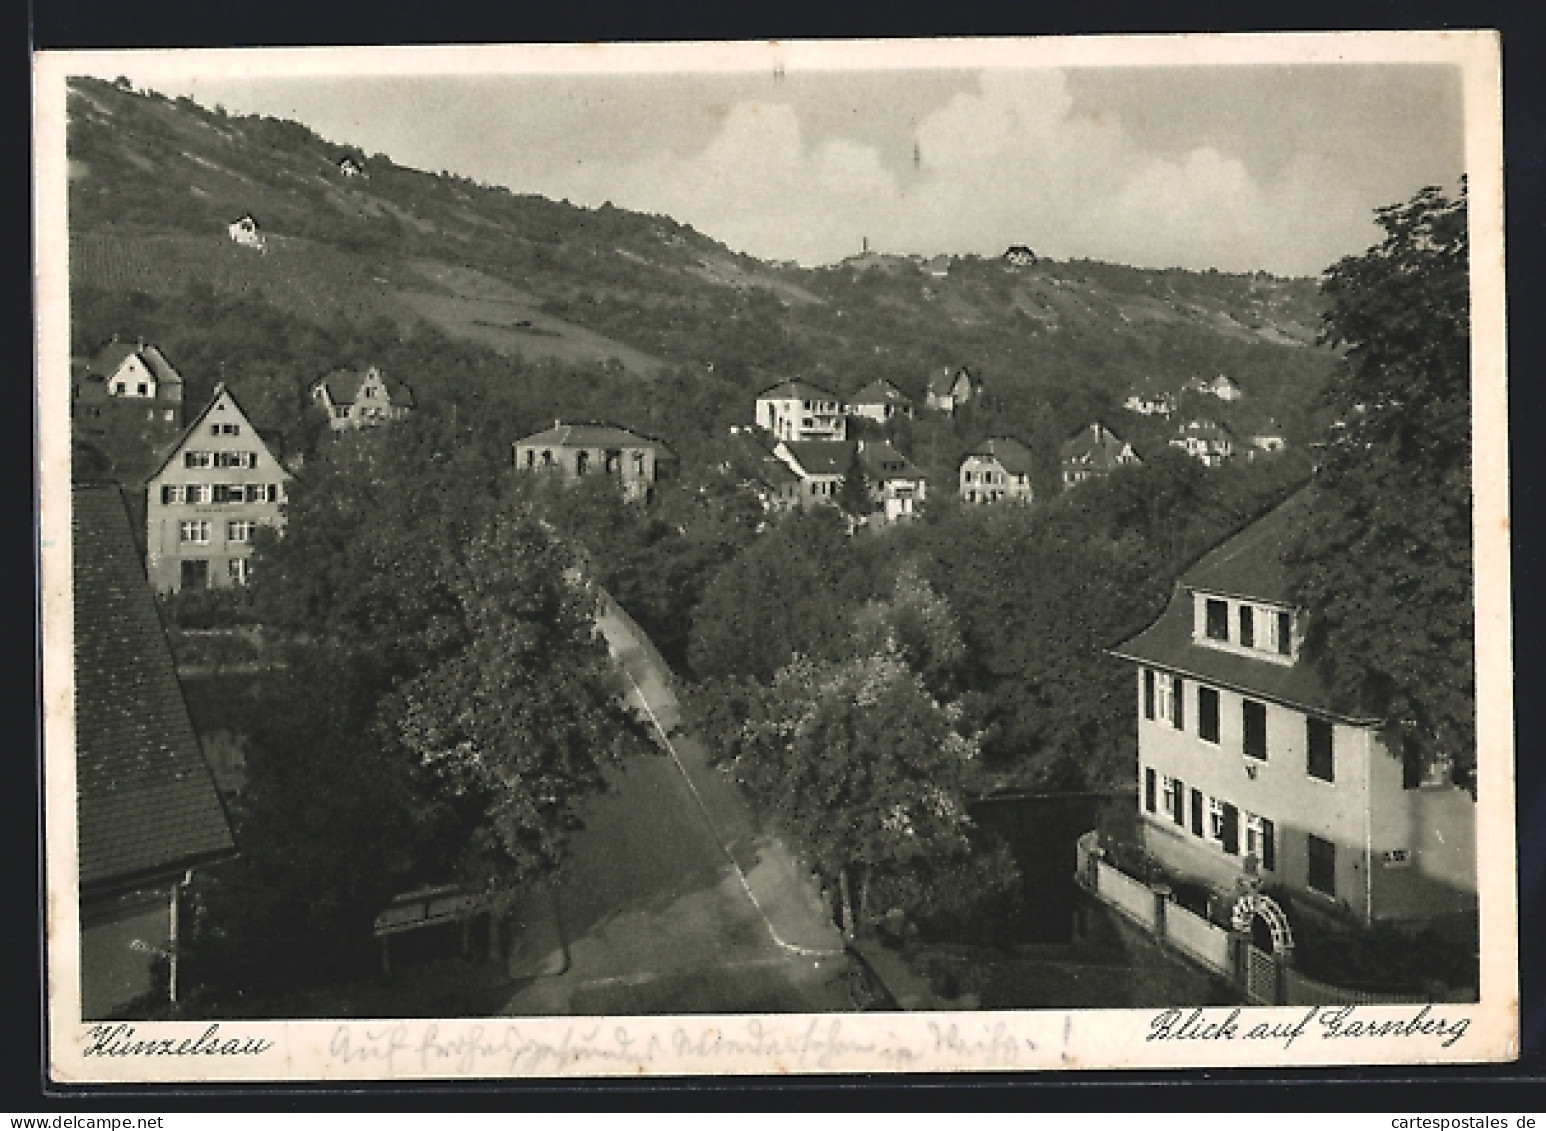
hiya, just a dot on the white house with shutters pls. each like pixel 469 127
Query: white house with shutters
pixel 218 483
pixel 1249 769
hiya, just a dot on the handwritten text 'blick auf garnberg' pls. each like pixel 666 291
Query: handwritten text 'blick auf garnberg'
pixel 511 1047
pixel 1329 1022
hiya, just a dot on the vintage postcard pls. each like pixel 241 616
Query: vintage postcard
pixel 810 557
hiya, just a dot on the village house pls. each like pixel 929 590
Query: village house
pixel 349 167
pixel 751 461
pixel 880 401
pixel 574 451
pixel 245 232
pixel 1268 439
pixel 125 381
pixel 1221 387
pixel 950 390
pixel 1151 404
pixel 1249 770
pixel 218 483
pixel 1018 255
pixel 1205 441
pixel 820 465
pixel 998 468
pixel 896 487
pixel 148 810
pixel 938 267
pixel 355 400
pixel 797 411
pixel 1096 450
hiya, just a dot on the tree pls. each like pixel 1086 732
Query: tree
pixel 1386 568
pixel 854 495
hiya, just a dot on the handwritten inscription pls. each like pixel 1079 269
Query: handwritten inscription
pixel 1329 1022
pixel 120 1040
pixel 511 1047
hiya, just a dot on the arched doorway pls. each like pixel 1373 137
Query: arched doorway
pixel 1266 921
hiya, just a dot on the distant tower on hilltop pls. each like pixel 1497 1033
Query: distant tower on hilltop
pixel 866 244
pixel 917 155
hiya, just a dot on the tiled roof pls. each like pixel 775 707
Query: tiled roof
pixel 879 392
pixel 593 436
pixel 343 387
pixel 147 801
pixel 796 391
pixel 881 461
pixel 1013 456
pixel 1249 564
pixel 822 457
pixel 115 353
pixel 943 383
pixel 752 457
pixel 1096 445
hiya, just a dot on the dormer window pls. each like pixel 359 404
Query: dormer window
pixel 1247 627
pixel 1217 613
pixel 1285 634
pixel 1260 630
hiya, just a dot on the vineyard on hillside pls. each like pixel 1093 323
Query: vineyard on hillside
pixel 304 278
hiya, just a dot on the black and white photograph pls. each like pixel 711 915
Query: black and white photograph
pixel 725 558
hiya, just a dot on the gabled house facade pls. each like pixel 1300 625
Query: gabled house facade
pixel 1205 441
pixel 124 380
pixel 574 451
pixel 1249 770
pixel 1018 255
pixel 148 811
pixel 1151 404
pixel 1220 386
pixel 950 389
pixel 880 401
pixel 1268 439
pixel 820 466
pixel 896 487
pixel 1096 450
pixel 245 232
pixel 219 482
pixel 798 411
pixel 356 400
pixel 997 469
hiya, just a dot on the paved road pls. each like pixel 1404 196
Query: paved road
pixel 673 901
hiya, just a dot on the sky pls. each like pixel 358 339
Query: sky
pixel 1268 167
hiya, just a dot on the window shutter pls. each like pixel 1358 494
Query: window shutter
pixel 1231 837
pixel 1197 825
pixel 1148 693
pixel 1150 788
pixel 1177 703
pixel 1268 849
pixel 1179 812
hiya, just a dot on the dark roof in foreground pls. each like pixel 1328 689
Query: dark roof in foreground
pixel 1011 454
pixel 593 436
pixel 880 392
pixel 822 457
pixel 147 804
pixel 796 391
pixel 343 387
pixel 1248 564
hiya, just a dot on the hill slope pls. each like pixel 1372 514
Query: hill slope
pixel 154 182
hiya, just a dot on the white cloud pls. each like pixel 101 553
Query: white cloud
pixel 1006 163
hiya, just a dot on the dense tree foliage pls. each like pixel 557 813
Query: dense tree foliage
pixel 1386 568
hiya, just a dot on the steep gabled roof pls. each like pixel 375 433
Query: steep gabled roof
pixel 593 436
pixel 1096 446
pixel 1013 456
pixel 822 457
pixel 188 432
pixel 796 391
pixel 1250 564
pixel 147 802
pixel 880 392
pixel 942 384
pixel 343 387
pixel 881 461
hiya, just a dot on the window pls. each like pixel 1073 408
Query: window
pixel 1215 818
pixel 1322 875
pixel 1321 763
pixel 613 462
pixel 1247 626
pixel 195 531
pixel 1229 832
pixel 1285 634
pixel 194 573
pixel 1169 789
pixel 1207 714
pixel 1197 822
pixel 240 570
pixel 1254 717
pixel 1149 790
pixel 142 389
pixel 1217 617
pixel 169 415
pixel 1148 690
pixel 197 459
pixel 1177 703
pixel 1269 851
pixel 1258 841
pixel 171 493
pixel 240 531
pixel 1178 811
pixel 225 429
